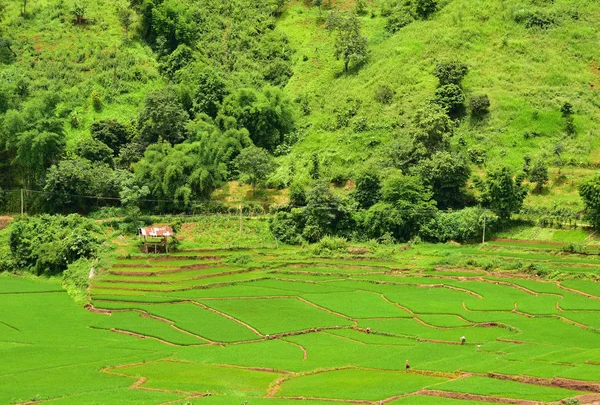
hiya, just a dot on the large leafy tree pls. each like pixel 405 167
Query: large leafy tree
pixel 112 133
pixel 36 151
pixel 350 45
pixel 71 184
pixel 181 175
pixel 267 114
pixel 447 174
pixel 163 117
pixel 325 213
pixel 538 174
pixel 589 190
pixel 433 130
pixel 405 205
pixel 368 188
pixel 254 166
pixel 502 193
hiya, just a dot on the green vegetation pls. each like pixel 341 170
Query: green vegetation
pixel 334 321
pixel 259 128
pixel 166 106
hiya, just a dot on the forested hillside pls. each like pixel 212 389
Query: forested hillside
pixel 371 115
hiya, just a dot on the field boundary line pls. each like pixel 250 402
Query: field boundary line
pixel 474 397
pixel 304 351
pixel 312 304
pixel 594 297
pixel 231 318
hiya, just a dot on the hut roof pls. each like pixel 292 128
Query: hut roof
pixel 156 232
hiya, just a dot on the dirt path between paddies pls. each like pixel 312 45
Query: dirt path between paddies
pixel 304 351
pixel 468 397
pixel 231 318
pixel 594 297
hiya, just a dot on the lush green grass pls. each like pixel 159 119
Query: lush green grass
pixel 356 384
pixel 278 315
pixel 201 378
pixel 506 389
pixel 412 314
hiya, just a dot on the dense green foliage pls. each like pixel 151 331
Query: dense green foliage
pixel 148 103
pixel 48 244
pixel 590 193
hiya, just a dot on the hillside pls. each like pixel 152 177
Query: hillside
pixel 269 68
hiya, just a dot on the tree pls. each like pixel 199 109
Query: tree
pixel 69 181
pixel 538 174
pixel 268 115
pixel 297 194
pixel 368 189
pixel 210 92
pixel 95 151
pixel 434 128
pixel 501 193
pixel 405 205
pixel 181 175
pixel 567 111
pixel 451 72
pixel 349 43
pixel 314 170
pixel 423 8
pixel 78 12
pixel 325 214
pixel 112 133
pixel 451 98
pixel 162 117
pixel 254 166
pixel 125 14
pixel 447 174
pixel 173 24
pixel 589 190
pixel 36 152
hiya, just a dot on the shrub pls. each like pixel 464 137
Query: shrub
pixel 480 105
pixel 450 72
pixel 450 97
pixel 384 94
pixel 330 244
pixel 462 226
pixel 287 227
pixel 297 195
pixel 398 21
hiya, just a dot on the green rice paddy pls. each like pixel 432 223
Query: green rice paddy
pixel 181 329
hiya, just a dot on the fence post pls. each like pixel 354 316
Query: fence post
pixel 484 218
pixel 22 203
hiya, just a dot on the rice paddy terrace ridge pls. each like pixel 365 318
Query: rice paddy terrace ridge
pixel 274 326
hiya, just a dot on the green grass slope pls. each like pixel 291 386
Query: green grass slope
pixel 527 73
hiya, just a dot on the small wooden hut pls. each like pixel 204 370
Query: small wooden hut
pixel 157 238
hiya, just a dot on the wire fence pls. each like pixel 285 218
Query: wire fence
pixel 27 201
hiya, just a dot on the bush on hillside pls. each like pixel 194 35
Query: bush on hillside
pixel 384 94
pixel 452 72
pixel 480 105
pixel 451 98
pixel 461 226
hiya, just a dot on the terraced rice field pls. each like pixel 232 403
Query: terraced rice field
pixel 274 327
